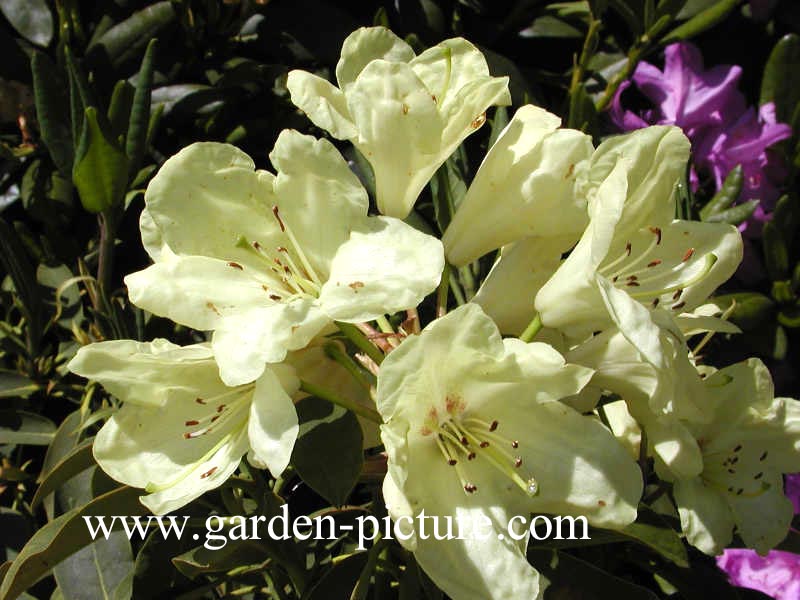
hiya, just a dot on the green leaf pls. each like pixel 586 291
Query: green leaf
pixel 50 97
pixel 101 167
pixel 327 430
pixel 31 18
pixel 22 427
pixel 140 111
pixel 76 460
pixel 448 189
pixel 781 81
pixel 752 308
pixel 235 553
pixel 124 40
pixel 340 579
pixel 702 21
pixel 776 252
pixel 119 109
pixel 727 194
pixel 17 263
pixel 651 530
pixel 572 577
pixel 64 536
pixel 15 385
pixel 735 215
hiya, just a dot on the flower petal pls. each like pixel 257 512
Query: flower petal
pixel 150 374
pixel 197 291
pixel 480 567
pixel 385 267
pixel 323 103
pixel 320 198
pixel 365 45
pixel 243 342
pixel 204 199
pixel 524 187
pixel 273 428
pixel 705 517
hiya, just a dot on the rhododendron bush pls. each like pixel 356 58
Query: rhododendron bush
pixel 506 297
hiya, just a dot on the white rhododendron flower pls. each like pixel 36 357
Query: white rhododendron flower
pixel 524 187
pixel 752 439
pixel 182 431
pixel 633 256
pixel 405 113
pixel 269 261
pixel 658 398
pixel 475 429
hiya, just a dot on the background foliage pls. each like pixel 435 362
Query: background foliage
pixel 95 95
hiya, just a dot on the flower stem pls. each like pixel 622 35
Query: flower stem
pixel 532 329
pixel 353 334
pixel 333 398
pixel 335 353
pixel 443 291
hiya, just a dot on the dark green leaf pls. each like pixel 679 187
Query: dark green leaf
pixel 327 430
pixel 50 95
pixel 752 308
pixel 101 167
pixel 572 577
pixel 735 215
pixel 727 194
pixel 78 459
pixel 339 580
pixel 781 81
pixel 22 427
pixel 651 530
pixel 140 111
pixel 124 40
pixel 31 18
pixel 235 553
pixel 702 21
pixel 15 385
pixel 119 109
pixel 18 264
pixel 776 252
pixel 64 536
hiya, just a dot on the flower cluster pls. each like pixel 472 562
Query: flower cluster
pixel 708 106
pixel 503 406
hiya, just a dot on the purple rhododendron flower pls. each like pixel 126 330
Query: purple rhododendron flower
pixel 777 574
pixel 708 106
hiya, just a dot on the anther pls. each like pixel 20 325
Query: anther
pixel 493 426
pixel 628 248
pixel 191 423
pixel 471 456
pixel 470 488
pixel 677 293
pixel 276 212
pixel 678 306
pixel 654 263
pixel 208 473
pixel 763 456
pixel 236 265
pixel 484 444
pixel 657 232
pixel 452 462
pixel 515 444
pixel 518 462
pixel 688 255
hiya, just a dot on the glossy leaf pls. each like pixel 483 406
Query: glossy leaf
pixel 702 21
pixel 51 109
pixel 15 385
pixel 64 536
pixel 125 40
pixel 735 215
pixel 325 431
pixel 781 81
pixel 31 18
pixel 22 427
pixel 727 194
pixel 101 167
pixel 140 111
